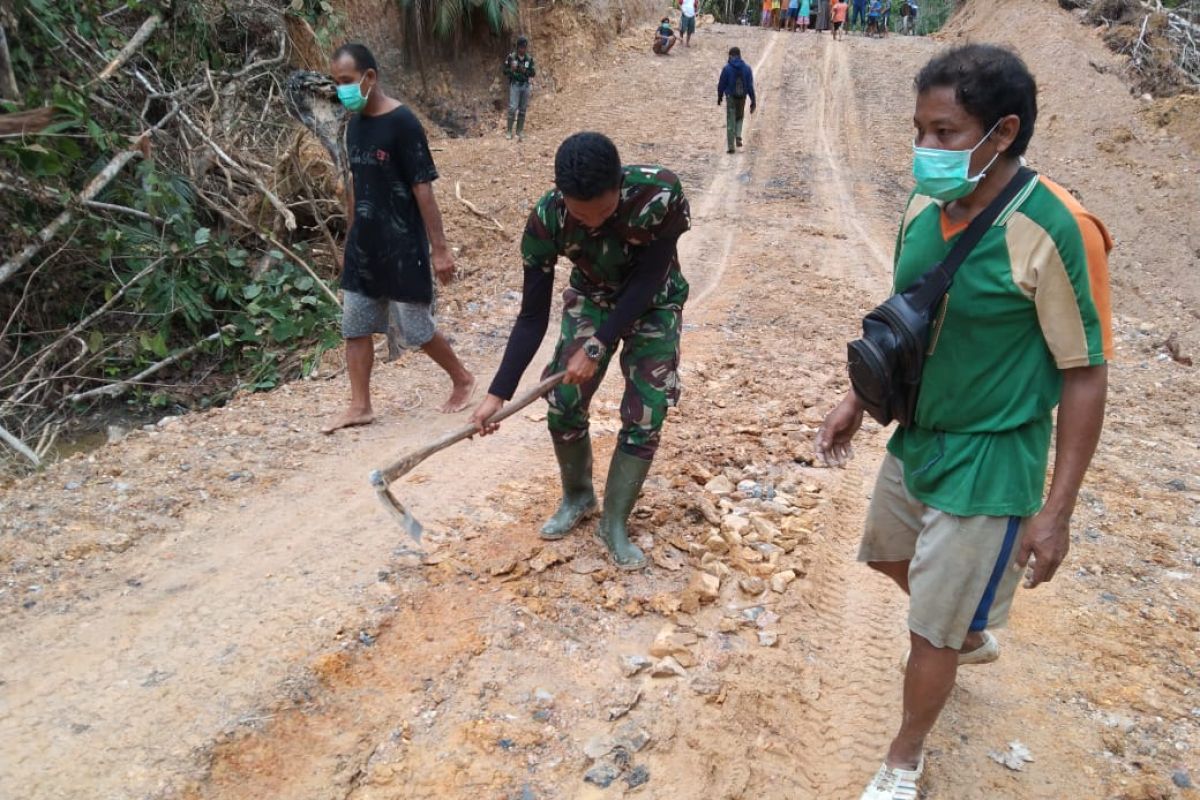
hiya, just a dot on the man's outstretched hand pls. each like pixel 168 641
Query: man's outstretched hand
pixel 443 266
pixel 1047 540
pixel 837 431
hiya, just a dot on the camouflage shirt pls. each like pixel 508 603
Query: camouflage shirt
pixel 519 69
pixel 652 207
pixel 625 271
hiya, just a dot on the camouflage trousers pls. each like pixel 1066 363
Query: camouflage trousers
pixel 649 362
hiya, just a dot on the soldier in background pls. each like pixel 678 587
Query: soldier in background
pixel 518 68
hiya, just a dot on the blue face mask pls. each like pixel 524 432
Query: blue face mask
pixel 351 95
pixel 946 174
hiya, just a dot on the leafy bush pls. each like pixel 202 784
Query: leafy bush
pixel 173 260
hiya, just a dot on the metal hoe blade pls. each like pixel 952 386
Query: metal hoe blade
pixel 381 479
pixel 402 515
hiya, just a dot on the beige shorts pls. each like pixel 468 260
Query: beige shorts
pixel 962 571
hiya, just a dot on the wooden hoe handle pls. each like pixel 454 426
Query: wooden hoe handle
pixel 382 478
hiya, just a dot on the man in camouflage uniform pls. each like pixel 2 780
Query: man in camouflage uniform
pixel 518 68
pixel 619 227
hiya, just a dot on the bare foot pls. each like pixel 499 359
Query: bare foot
pixel 348 419
pixel 460 395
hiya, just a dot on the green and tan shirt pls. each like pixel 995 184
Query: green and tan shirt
pixel 1031 300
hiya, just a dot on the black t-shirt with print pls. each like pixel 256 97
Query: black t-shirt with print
pixel 387 252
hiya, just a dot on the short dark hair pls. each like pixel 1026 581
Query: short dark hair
pixel 735 52
pixel 666 19
pixel 364 59
pixel 990 82
pixel 522 41
pixel 586 166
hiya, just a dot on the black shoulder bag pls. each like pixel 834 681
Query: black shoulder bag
pixel 886 363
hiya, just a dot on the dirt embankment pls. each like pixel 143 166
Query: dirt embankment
pixel 218 608
pixel 458 85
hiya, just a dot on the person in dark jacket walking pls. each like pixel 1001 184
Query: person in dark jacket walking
pixel 518 68
pixel 736 83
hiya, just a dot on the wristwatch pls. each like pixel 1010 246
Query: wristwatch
pixel 594 349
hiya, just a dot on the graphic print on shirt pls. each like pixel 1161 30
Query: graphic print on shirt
pixel 387 250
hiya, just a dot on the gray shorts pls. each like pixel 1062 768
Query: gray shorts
pixel 962 571
pixel 363 316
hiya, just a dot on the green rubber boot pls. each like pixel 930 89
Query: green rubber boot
pixel 626 475
pixel 579 498
pixel 511 118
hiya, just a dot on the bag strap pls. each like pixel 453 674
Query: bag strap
pixel 936 282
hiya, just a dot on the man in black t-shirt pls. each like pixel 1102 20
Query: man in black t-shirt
pixel 393 220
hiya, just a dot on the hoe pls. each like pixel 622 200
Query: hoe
pixel 381 479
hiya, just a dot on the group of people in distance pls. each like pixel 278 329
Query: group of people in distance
pixel 960 509
pixel 869 17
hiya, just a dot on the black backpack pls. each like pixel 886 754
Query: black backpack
pixel 739 84
pixel 887 362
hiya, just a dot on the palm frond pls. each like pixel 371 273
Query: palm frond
pixel 449 16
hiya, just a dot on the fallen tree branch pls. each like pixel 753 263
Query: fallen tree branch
pixel 22 123
pixel 289 219
pixel 308 192
pixel 20 447
pixel 120 387
pixel 131 47
pixel 94 187
pixel 82 325
pixel 287 251
pixel 238 219
pixel 48 438
pixel 133 212
pixel 473 209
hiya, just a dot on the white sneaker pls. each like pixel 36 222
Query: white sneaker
pixel 893 783
pixel 986 653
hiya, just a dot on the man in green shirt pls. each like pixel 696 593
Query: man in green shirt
pixel 957 512
pixel 618 225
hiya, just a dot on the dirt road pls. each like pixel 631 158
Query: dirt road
pixel 219 608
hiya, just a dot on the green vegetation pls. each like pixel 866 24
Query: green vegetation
pixel 176 269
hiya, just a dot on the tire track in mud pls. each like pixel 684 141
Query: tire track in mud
pixel 838 137
pixel 799 179
pixel 854 620
pixel 714 218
